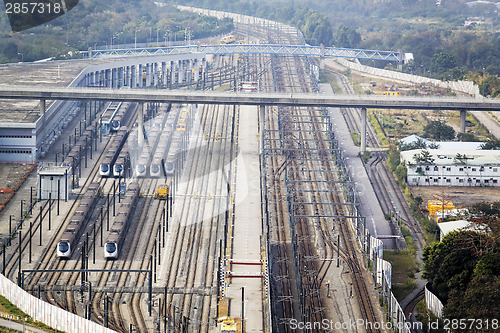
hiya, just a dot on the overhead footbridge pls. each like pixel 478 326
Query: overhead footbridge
pixel 463 104
pixel 261 99
pixel 268 49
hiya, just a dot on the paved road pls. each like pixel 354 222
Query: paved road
pixel 19 327
pixel 489 122
pixel 370 208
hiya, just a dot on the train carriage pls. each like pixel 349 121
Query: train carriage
pixel 72 233
pixel 106 169
pixel 144 162
pixel 122 221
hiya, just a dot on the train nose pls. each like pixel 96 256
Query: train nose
pixel 141 168
pixel 155 168
pixel 104 168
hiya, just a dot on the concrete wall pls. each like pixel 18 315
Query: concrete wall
pixel 466 87
pixel 47 313
pixel 433 303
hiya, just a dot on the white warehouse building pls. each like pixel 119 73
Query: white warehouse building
pixel 478 168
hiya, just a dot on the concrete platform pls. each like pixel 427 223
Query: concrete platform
pixel 247 227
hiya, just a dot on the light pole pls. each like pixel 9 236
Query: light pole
pixel 135 38
pixel 22 56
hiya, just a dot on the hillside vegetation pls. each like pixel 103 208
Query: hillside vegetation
pixel 444 44
pixel 95 23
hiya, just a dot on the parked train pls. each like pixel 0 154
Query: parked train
pixel 112 153
pixel 122 163
pixel 71 235
pixel 122 221
pixel 77 151
pixel 164 143
pixel 107 120
pixel 183 126
pixel 173 153
pixel 144 162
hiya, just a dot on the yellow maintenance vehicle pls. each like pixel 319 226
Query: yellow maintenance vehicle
pixel 162 192
pixel 229 325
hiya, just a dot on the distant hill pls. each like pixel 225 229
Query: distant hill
pixel 94 23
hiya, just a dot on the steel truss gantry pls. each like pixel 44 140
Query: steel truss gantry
pixel 268 49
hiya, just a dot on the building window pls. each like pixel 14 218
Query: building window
pixel 461 169
pixel 427 168
pixel 473 169
pixel 495 181
pixel 426 180
pixel 469 180
pixel 435 168
pixel 460 180
pixel 486 181
pixel 478 181
pixel 448 180
pixel 448 169
pixel 435 180
pixel 494 169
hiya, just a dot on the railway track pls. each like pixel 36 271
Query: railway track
pixel 295 237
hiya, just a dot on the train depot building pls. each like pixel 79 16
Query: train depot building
pixel 452 167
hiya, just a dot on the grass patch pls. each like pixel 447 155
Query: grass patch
pixel 328 77
pixel 356 138
pixel 404 267
pixel 7 307
pixel 224 87
pixel 384 141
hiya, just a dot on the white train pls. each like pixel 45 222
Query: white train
pixel 164 144
pixel 122 221
pixel 71 235
pixel 174 152
pixel 144 162
pixel 112 153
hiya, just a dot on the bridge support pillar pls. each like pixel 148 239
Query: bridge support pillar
pixel 322 62
pixel 463 114
pixel 42 107
pixel 181 71
pixel 363 130
pixel 262 115
pixel 140 125
pixel 133 77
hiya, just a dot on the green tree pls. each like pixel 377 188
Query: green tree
pixel 491 145
pixel 490 86
pixel 449 264
pixel 438 130
pixel 9 49
pixel 393 158
pixel 424 157
pixel 347 37
pixel 442 61
pixel 418 144
pixel 460 159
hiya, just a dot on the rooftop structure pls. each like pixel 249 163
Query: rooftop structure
pixel 447 227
